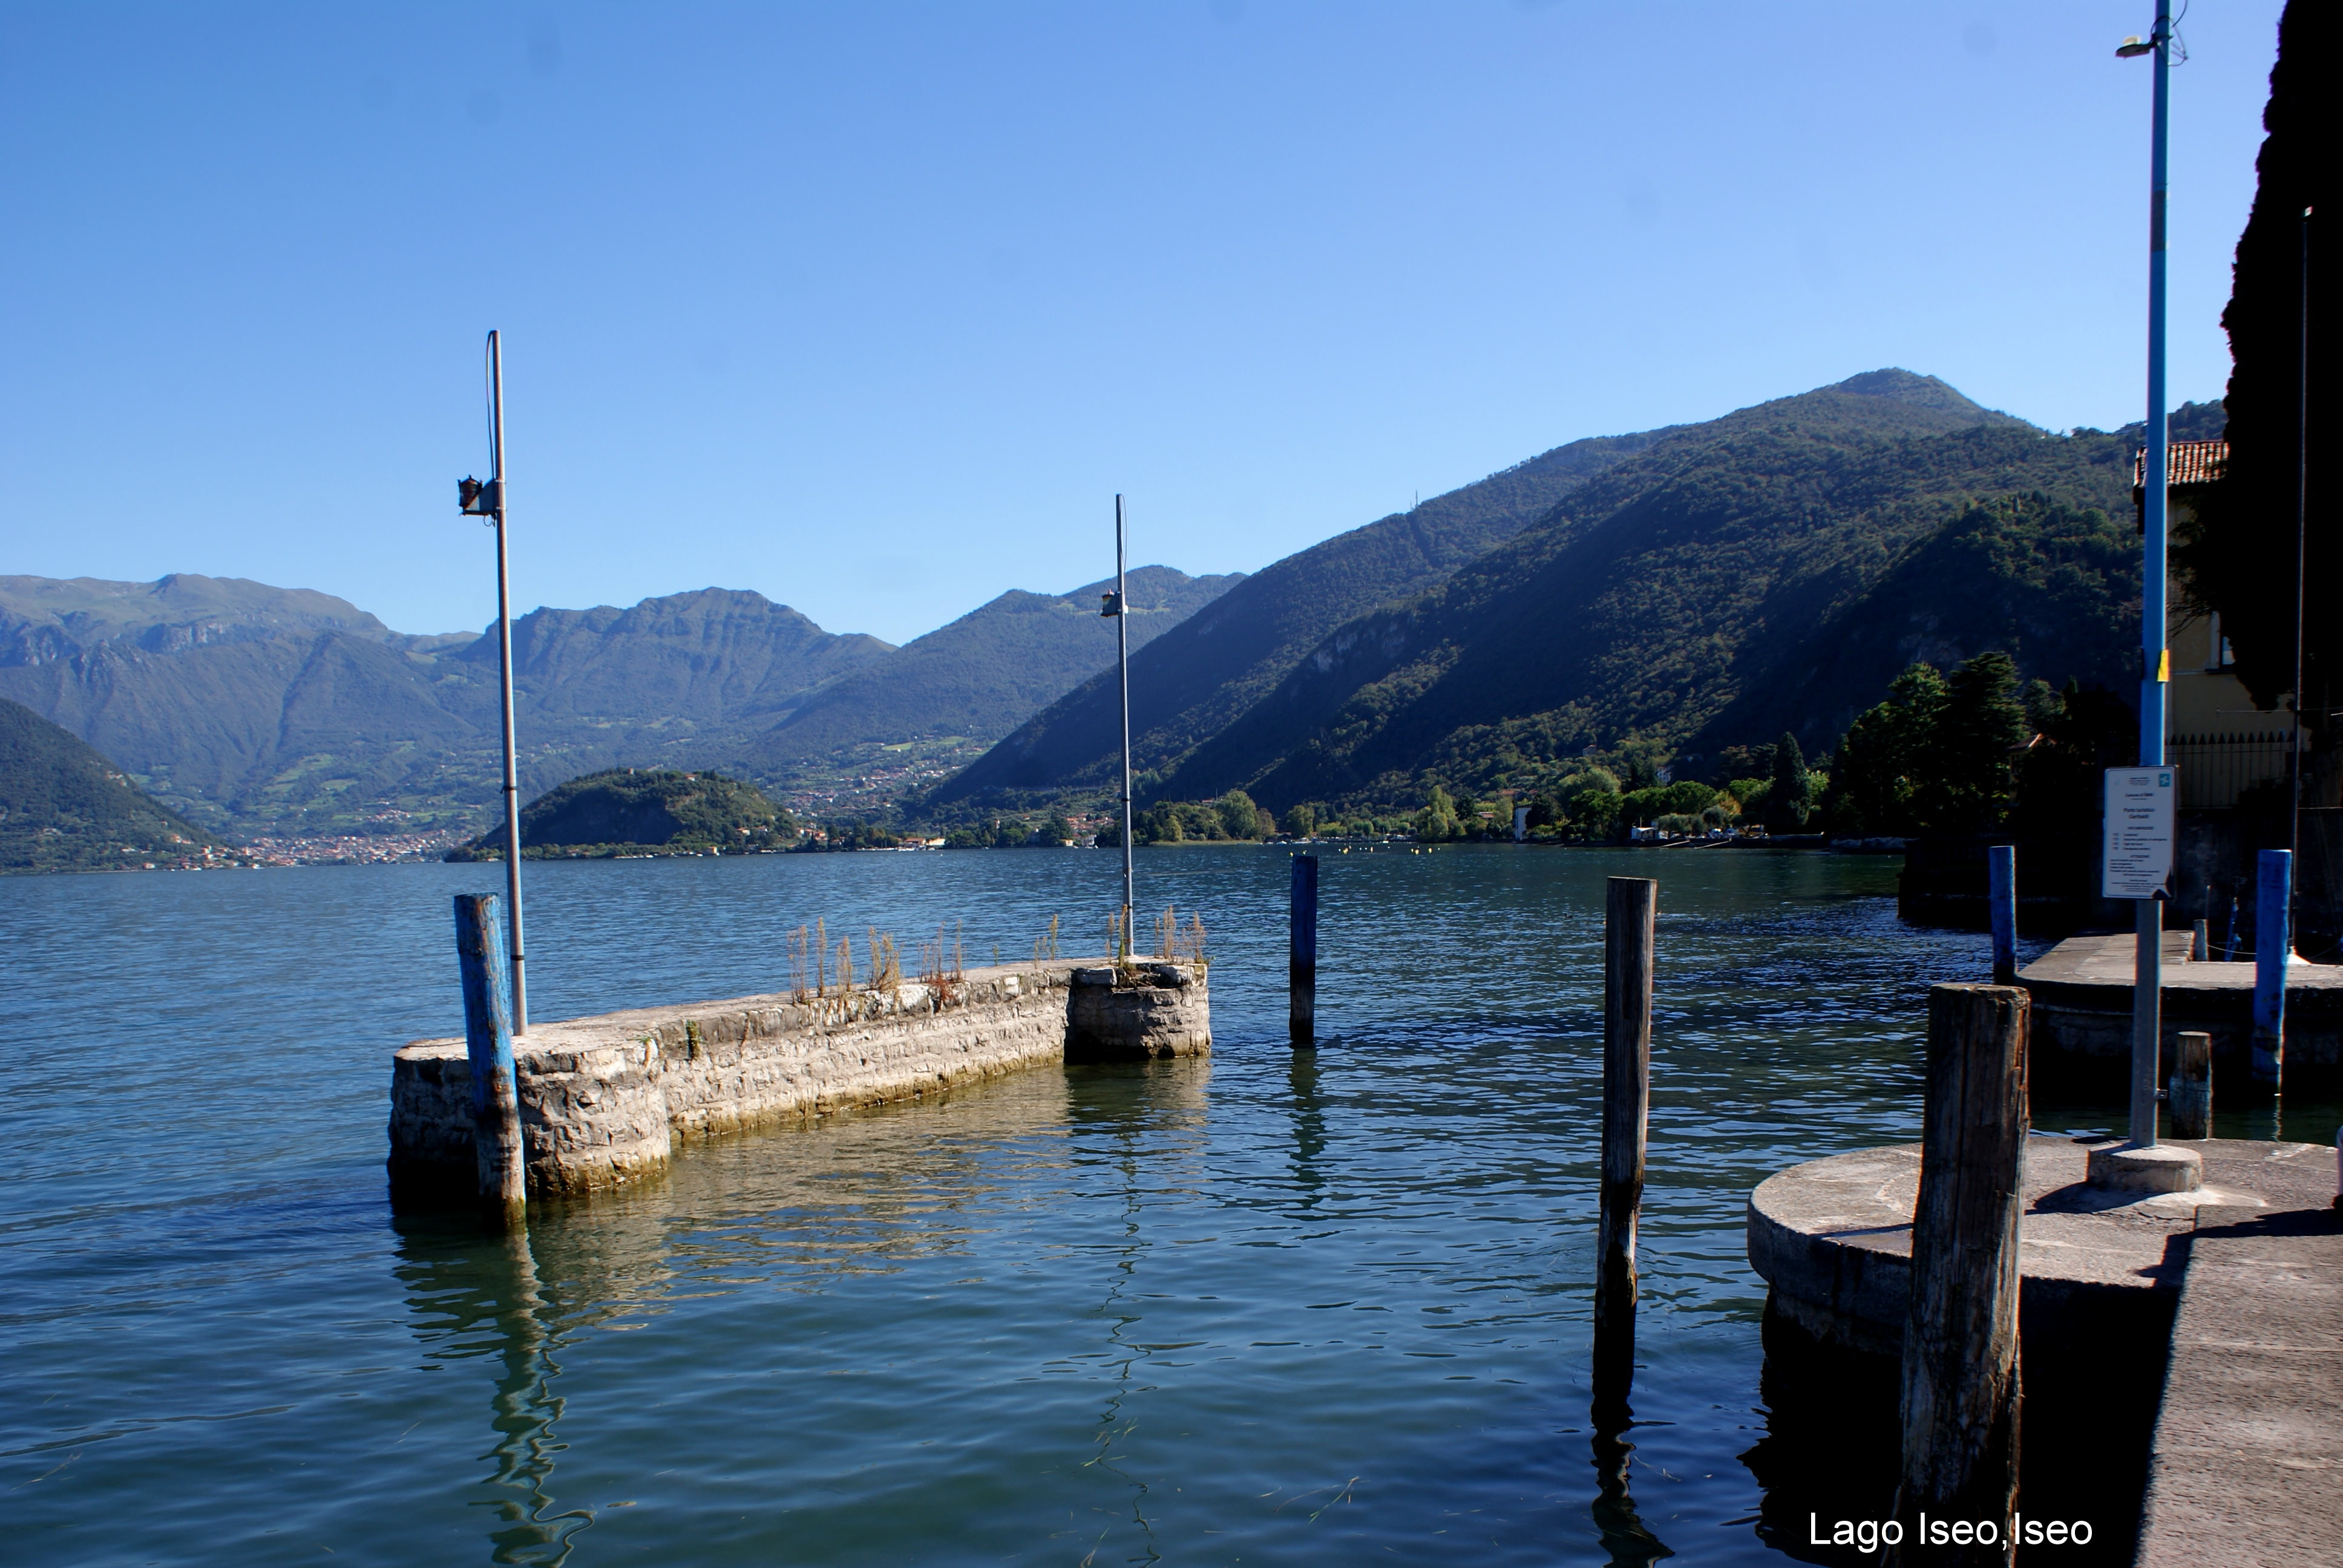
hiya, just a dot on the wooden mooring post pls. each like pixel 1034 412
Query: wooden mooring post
pixel 487 1041
pixel 1630 910
pixel 2001 877
pixel 1302 965
pixel 1960 1373
pixel 2188 1096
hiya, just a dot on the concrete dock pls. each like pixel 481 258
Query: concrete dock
pixel 2243 1280
pixel 2246 1463
pixel 2081 1024
pixel 1834 1237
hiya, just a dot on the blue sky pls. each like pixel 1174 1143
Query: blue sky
pixel 872 308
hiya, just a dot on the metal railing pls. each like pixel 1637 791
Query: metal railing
pixel 2216 769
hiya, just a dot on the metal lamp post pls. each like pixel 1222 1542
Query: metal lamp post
pixel 1115 604
pixel 488 500
pixel 2147 994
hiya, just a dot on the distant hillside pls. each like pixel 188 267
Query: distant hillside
pixel 623 809
pixel 65 807
pixel 1193 680
pixel 1655 597
pixel 288 711
pixel 42 619
pixel 979 678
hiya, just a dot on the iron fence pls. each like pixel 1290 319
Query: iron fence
pixel 2216 769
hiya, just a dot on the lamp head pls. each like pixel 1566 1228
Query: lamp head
pixel 2133 47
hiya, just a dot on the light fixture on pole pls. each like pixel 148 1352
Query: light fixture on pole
pixel 1116 603
pixel 485 499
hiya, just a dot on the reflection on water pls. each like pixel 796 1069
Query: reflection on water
pixel 1304 1308
pixel 472 1298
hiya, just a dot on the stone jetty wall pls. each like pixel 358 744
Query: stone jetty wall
pixel 608 1100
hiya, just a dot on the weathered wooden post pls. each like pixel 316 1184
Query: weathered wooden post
pixel 1630 908
pixel 487 1041
pixel 1302 965
pixel 1960 1375
pixel 2200 943
pixel 2001 875
pixel 2190 1094
pixel 2273 943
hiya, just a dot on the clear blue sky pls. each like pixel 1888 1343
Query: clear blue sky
pixel 872 308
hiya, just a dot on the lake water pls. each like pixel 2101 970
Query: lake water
pixel 1259 1309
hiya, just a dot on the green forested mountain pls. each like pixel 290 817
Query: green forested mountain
pixel 974 680
pixel 65 807
pixel 1194 680
pixel 2054 585
pixel 1649 603
pixel 623 809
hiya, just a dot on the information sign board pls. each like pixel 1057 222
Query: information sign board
pixel 2138 858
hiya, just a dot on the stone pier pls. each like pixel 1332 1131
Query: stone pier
pixel 2081 1022
pixel 607 1100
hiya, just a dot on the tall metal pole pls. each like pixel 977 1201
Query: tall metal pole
pixel 2301 534
pixel 2148 967
pixel 1122 667
pixel 505 666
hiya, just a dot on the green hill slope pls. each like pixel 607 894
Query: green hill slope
pixel 974 680
pixel 65 807
pixel 2054 585
pixel 1651 600
pixel 1194 680
pixel 623 809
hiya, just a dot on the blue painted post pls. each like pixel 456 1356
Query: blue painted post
pixel 487 1042
pixel 1301 968
pixel 2001 871
pixel 2273 942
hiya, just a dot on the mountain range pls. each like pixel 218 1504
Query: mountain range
pixel 1694 588
pixel 255 708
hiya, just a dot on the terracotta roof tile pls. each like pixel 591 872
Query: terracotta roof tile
pixel 2186 463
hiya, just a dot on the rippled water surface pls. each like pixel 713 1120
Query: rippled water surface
pixel 1265 1308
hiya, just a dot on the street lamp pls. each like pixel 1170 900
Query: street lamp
pixel 485 499
pixel 1117 603
pixel 2147 965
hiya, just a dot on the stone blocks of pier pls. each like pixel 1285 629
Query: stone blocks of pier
pixel 606 1099
pixel 1140 1010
